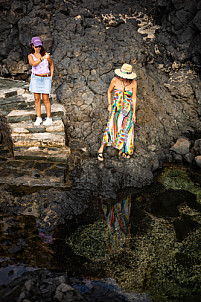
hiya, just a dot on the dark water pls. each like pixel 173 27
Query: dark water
pixel 148 240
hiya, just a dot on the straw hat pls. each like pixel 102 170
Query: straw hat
pixel 126 72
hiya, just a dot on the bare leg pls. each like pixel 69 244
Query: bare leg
pixel 120 152
pixel 100 153
pixel 101 149
pixel 37 104
pixel 47 104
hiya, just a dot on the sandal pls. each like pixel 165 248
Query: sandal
pixel 100 156
pixel 125 155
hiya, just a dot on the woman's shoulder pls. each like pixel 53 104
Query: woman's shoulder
pixel 114 80
pixel 134 83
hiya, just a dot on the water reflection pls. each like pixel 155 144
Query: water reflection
pixel 117 220
pixel 148 242
pixel 11 272
pixel 47 238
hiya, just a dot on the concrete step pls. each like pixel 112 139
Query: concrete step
pixel 25 115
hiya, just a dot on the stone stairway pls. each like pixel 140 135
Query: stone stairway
pixel 44 147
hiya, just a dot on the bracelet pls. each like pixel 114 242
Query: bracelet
pixel 40 60
pixel 109 104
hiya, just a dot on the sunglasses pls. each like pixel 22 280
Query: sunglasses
pixel 38 46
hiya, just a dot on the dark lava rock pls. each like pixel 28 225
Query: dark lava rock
pixel 181 146
pixel 43 285
pixel 189 157
pixel 184 226
pixel 198 160
pixel 88 40
pixel 166 203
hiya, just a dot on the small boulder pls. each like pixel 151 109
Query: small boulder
pixel 197 146
pixel 198 160
pixel 177 158
pixel 181 146
pixel 189 157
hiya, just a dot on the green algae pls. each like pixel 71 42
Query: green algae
pixel 89 241
pixel 179 177
pixel 161 254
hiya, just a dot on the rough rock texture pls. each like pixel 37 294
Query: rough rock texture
pixel 43 285
pixel 198 160
pixel 181 146
pixel 6 145
pixel 180 32
pixel 158 255
pixel 89 39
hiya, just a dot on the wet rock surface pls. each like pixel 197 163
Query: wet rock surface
pixel 89 39
pixel 185 150
pixel 44 285
pixel 156 241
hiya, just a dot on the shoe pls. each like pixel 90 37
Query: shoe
pixel 100 156
pixel 48 121
pixel 38 121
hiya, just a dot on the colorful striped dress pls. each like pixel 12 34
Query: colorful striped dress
pixel 119 132
pixel 117 220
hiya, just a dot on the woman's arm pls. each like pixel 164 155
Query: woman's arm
pixel 51 66
pixel 134 99
pixel 32 62
pixel 38 61
pixel 109 94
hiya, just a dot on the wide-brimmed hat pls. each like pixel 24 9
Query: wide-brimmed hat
pixel 126 72
pixel 36 41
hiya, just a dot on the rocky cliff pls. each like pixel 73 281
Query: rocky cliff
pixel 88 39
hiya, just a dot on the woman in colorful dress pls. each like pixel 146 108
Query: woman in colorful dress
pixel 119 132
pixel 41 78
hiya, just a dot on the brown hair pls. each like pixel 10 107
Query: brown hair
pixel 42 50
pixel 129 80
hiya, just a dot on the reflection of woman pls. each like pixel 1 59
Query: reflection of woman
pixel 117 219
pixel 119 132
pixel 42 73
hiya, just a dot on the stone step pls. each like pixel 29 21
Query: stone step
pixel 25 115
pixel 36 143
pixel 41 153
pixel 10 88
pixel 12 100
pixel 4 153
pixel 29 99
pixel 29 181
pixel 28 127
pixel 26 98
pixel 38 139
pixel 34 173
